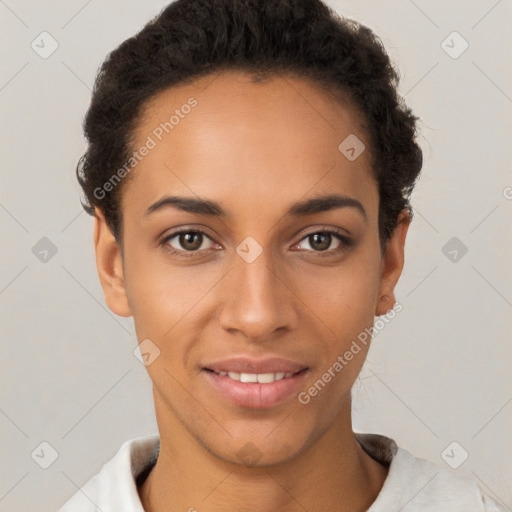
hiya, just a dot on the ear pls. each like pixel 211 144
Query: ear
pixel 110 266
pixel 392 264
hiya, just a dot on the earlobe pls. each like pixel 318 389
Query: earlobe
pixel 385 304
pixel 109 264
pixel 392 265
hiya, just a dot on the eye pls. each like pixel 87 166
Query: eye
pixel 188 241
pixel 321 241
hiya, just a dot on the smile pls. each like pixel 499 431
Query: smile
pixel 262 378
pixel 255 390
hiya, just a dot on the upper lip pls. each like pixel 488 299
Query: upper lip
pixel 243 364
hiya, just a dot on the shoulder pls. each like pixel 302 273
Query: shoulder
pixel 427 486
pixel 420 485
pixel 114 487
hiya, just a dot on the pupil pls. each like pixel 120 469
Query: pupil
pixel 321 240
pixel 190 241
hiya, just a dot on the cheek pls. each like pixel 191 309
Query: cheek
pixel 343 301
pixel 345 304
pixel 344 297
pixel 153 292
pixel 161 295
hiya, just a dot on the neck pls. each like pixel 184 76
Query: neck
pixel 334 473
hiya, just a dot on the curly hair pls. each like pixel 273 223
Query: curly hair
pixel 193 38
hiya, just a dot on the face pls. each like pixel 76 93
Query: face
pixel 250 247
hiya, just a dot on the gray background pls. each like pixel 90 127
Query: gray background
pixel 438 373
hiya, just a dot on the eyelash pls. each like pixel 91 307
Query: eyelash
pixel 345 242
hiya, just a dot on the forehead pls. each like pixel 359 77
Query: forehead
pixel 224 135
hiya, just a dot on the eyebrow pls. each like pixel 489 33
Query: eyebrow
pixel 306 207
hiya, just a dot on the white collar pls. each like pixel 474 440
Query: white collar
pixel 413 482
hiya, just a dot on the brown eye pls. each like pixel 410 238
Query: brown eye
pixel 322 240
pixel 188 241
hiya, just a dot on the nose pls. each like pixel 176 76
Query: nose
pixel 258 300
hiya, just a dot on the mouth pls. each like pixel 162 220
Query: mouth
pixel 262 378
pixel 255 390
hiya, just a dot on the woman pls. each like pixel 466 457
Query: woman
pixel 249 170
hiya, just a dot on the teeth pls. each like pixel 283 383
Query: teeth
pixel 263 378
pixel 248 377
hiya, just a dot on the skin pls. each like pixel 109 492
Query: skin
pixel 274 143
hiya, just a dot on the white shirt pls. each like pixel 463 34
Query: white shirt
pixel 412 484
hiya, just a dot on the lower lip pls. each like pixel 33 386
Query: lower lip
pixel 255 394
